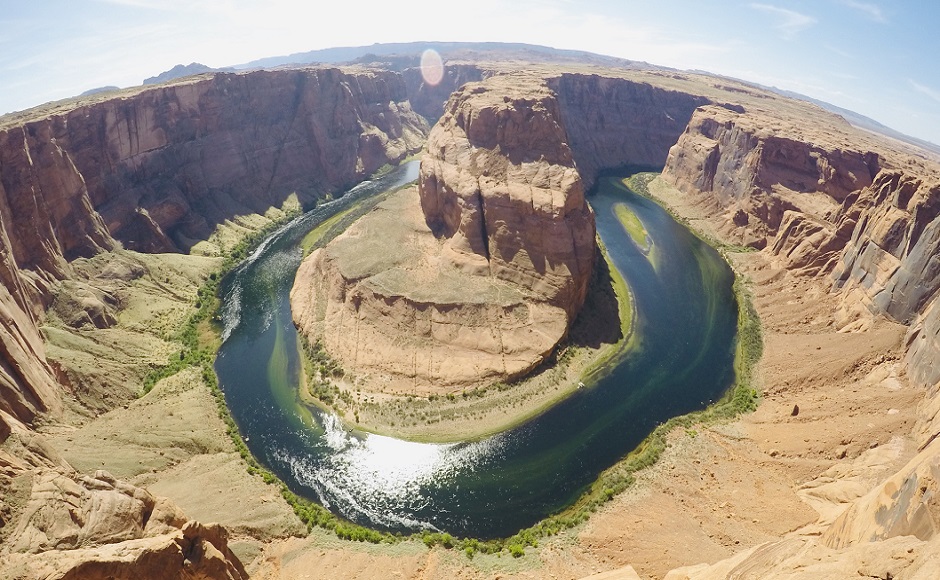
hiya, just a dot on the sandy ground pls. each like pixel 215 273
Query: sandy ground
pixel 717 490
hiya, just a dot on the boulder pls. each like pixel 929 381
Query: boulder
pixel 75 526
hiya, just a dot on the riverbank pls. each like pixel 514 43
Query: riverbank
pixel 772 473
pixel 602 332
pixel 733 484
pixel 721 477
pixel 719 487
pixel 172 439
pixel 475 413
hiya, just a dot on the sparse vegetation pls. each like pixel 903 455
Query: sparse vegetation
pixel 198 351
pixel 633 226
pixel 321 235
pixel 197 348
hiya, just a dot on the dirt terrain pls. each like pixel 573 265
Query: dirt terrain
pixel 717 490
pixel 795 488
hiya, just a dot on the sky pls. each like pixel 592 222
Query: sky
pixel 879 58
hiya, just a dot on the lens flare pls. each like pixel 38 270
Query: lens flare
pixel 432 67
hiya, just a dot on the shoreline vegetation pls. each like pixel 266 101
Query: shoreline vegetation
pixel 200 339
pixel 594 343
pixel 602 334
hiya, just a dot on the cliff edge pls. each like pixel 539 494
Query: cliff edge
pixel 154 170
pixel 492 255
pixel 158 169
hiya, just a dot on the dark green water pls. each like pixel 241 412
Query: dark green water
pixel 686 318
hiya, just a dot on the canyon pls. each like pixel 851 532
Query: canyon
pixel 836 228
pixel 492 272
pixel 155 171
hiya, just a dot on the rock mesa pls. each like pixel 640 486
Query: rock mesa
pixel 505 249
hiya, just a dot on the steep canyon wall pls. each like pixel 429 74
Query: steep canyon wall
pixel 156 171
pixel 613 122
pixel 502 187
pixel 862 216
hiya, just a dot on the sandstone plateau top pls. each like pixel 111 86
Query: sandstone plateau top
pixel 486 279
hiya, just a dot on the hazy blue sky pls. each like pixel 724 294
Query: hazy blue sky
pixel 880 58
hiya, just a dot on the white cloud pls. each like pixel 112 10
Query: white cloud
pixel 790 22
pixel 839 51
pixel 923 89
pixel 870 10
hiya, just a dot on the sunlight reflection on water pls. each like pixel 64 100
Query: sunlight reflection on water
pixel 390 476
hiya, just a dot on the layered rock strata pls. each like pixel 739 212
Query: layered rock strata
pixel 760 172
pixel 613 122
pixel 500 236
pixel 57 523
pixel 76 526
pixel 499 184
pixel 491 293
pixel 407 319
pixel 864 219
pixel 156 170
pixel 777 187
pixel 858 216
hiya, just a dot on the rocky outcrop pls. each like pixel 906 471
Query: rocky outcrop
pixel 881 250
pixel 864 218
pixel 923 349
pixel 905 505
pixel 825 210
pixel 77 526
pixel 57 523
pixel 758 173
pixel 407 319
pixel 890 263
pixel 163 167
pixel 155 171
pixel 499 183
pixel 501 284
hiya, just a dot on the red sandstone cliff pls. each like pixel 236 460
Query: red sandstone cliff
pixel 824 209
pixel 492 296
pixel 157 170
pixel 865 219
pixel 153 171
pixel 759 173
pixel 612 122
pixel 500 184
pixel 386 301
